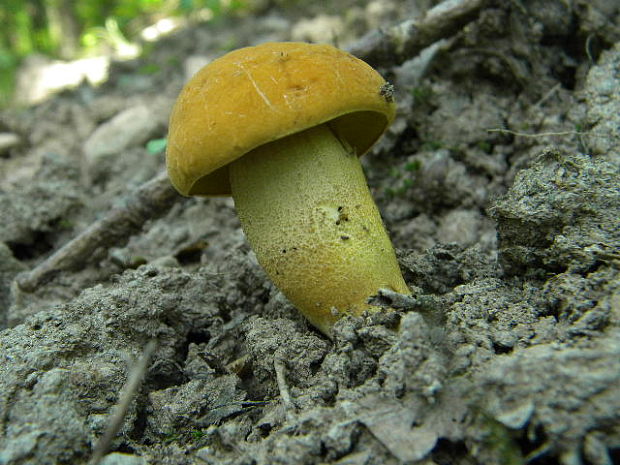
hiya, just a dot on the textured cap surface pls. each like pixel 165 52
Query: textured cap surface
pixel 255 95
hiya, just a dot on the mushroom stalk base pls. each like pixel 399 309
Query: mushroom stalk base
pixel 308 214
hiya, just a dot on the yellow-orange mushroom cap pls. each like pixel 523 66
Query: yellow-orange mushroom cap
pixel 256 95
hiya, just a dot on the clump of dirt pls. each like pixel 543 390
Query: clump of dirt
pixel 499 184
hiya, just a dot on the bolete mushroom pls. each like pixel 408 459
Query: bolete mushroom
pixel 280 126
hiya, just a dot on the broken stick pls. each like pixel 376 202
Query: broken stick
pixel 151 200
pixel 399 43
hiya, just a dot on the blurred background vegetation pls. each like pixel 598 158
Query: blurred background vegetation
pixel 71 29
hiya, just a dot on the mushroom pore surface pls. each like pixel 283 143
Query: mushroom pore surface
pixel 308 214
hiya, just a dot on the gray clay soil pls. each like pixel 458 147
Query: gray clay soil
pixel 500 186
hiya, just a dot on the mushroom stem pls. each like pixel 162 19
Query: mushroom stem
pixel 308 214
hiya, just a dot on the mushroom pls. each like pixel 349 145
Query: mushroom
pixel 281 126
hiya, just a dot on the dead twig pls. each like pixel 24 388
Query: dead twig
pixel 151 200
pixel 583 137
pixel 399 43
pixel 285 394
pixel 128 392
pixel 537 135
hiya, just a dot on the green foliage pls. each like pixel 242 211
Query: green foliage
pixel 485 146
pixel 421 95
pixel 402 178
pixel 198 434
pixel 412 166
pixel 156 146
pixel 149 68
pixel 498 441
pixel 431 145
pixel 70 28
